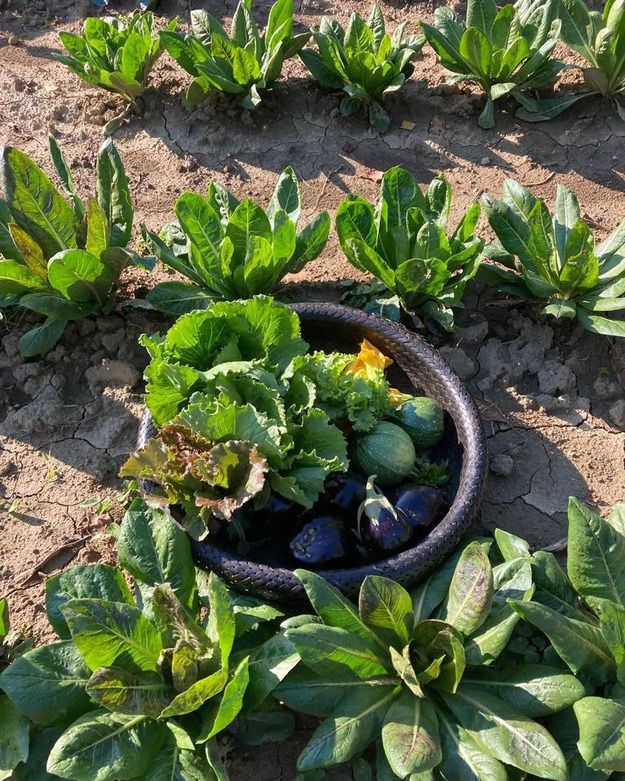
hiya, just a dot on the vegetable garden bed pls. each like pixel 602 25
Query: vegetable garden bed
pixel 550 394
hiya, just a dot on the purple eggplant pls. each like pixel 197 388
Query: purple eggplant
pixel 381 525
pixel 344 492
pixel 422 505
pixel 323 540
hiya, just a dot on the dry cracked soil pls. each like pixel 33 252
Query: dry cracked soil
pixel 551 395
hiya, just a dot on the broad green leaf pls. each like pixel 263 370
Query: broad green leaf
pixel 29 250
pixel 173 763
pixel 98 230
pixel 304 691
pixel 596 556
pixel 355 219
pixel 47 684
pixel 385 604
pixel 554 589
pixel 601 732
pixel 471 591
pixel 616 519
pixel 475 48
pixel 154 550
pixel 613 626
pixel 601 325
pixel 410 735
pixel 506 734
pixel 219 714
pixel 279 23
pixel 135 694
pixel 399 192
pixel 80 276
pixel 309 242
pixel 247 220
pixel 534 689
pixel 177 298
pixel 461 756
pixel 174 621
pixel 53 305
pixel 510 546
pixel 511 580
pixel 429 595
pixel 336 652
pixel 334 609
pixel 14 736
pixel 268 666
pixel 580 645
pixel 565 218
pixel 15 277
pixel 196 695
pixel 108 632
pixel 113 194
pixel 286 196
pixel 366 258
pixel 204 231
pixel 35 203
pixel 34 769
pixel 221 627
pixel 264 726
pixel 95 581
pixel 564 728
pixel 481 14
pixel 352 727
pixel 104 746
pixel 41 339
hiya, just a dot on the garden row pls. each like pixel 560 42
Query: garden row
pixel 63 258
pixel 507 51
pixel 499 666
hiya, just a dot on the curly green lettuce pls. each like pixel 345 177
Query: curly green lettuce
pixel 325 380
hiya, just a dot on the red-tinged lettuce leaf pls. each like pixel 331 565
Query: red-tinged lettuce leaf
pixel 196 472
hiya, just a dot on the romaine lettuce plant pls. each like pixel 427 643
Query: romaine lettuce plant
pixel 243 63
pixel 582 613
pixel 505 51
pixel 600 39
pixel 231 250
pixel 241 409
pixel 555 259
pixel 139 687
pixel 60 257
pixel 115 55
pixel 404 242
pixel 364 61
pixel 417 675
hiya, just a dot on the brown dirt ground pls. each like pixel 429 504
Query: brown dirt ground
pixel 545 389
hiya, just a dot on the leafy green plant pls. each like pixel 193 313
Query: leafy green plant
pixel 505 51
pixel 417 674
pixel 555 259
pixel 600 39
pixel 60 257
pixel 231 249
pixel 364 61
pixel 243 63
pixel 582 614
pixel 403 242
pixel 114 54
pixel 241 409
pixel 140 687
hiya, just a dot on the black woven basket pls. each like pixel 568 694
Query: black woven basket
pixel 418 367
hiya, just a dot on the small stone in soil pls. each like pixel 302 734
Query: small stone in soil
pixel 502 465
pixel 617 414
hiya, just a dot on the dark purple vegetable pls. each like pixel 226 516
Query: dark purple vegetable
pixel 323 540
pixel 345 492
pixel 422 505
pixel 381 526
